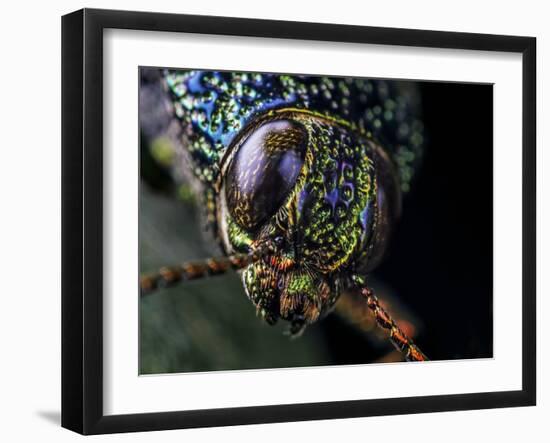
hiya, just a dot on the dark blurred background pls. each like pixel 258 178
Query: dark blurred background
pixel 436 278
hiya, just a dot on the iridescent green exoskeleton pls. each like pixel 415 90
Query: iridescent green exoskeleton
pixel 302 179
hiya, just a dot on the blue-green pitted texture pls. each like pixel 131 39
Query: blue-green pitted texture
pixel 215 106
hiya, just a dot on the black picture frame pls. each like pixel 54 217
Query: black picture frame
pixel 82 220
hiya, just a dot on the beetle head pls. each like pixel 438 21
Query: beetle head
pixel 318 196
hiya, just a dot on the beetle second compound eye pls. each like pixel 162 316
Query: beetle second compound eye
pixel 264 170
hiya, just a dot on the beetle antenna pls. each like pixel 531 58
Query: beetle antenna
pixel 169 276
pixel 399 339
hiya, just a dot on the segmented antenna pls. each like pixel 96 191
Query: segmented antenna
pixel 400 340
pixel 172 275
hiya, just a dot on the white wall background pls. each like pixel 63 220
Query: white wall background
pixel 30 217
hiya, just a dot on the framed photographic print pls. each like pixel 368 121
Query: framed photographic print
pixel 273 221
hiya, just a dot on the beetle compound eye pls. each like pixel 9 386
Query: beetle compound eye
pixel 264 170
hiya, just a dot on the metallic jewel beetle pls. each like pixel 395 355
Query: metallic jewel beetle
pixel 302 178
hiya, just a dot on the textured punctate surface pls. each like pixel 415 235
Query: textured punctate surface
pixel 217 105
